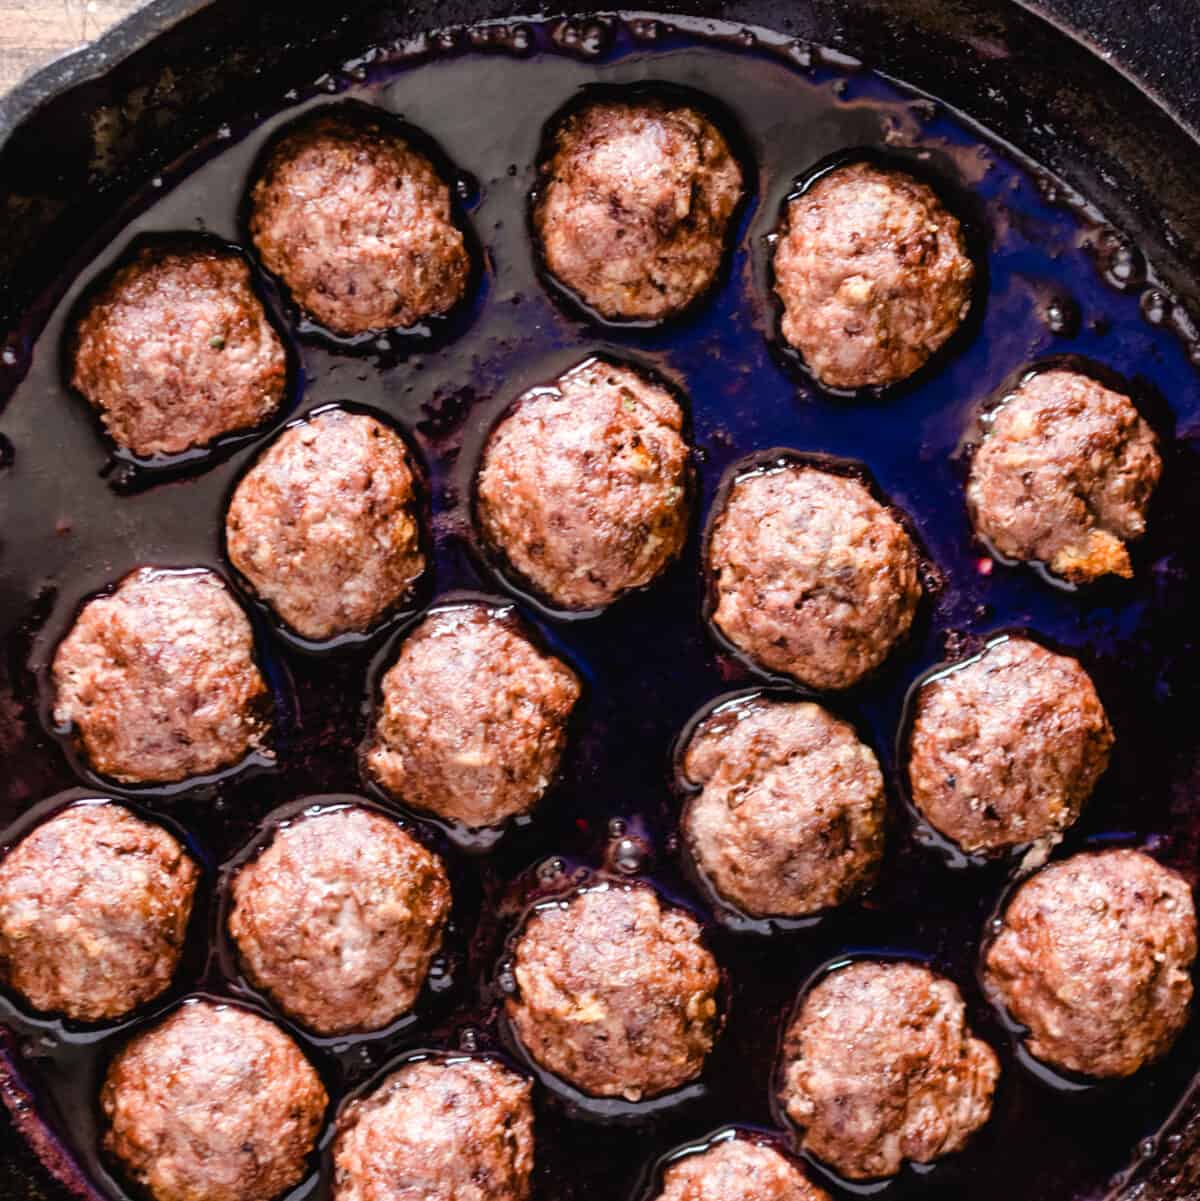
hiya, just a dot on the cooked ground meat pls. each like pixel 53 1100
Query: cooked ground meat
pixel 789 819
pixel 157 680
pixel 445 1129
pixel 1094 960
pixel 583 488
pixel 472 721
pixel 213 1104
pixel 339 918
pixel 94 909
pixel 325 525
pixel 633 206
pixel 616 994
pixel 1007 746
pixel 812 576
pixel 874 276
pixel 880 1067
pixel 736 1169
pixel 1064 476
pixel 175 350
pixel 358 224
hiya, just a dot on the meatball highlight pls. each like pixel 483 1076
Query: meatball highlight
pixel 634 205
pixel 94 910
pixel 616 994
pixel 472 720
pixel 789 819
pixel 736 1169
pixel 1064 476
pixel 583 487
pixel 880 1067
pixel 1093 959
pixel 213 1104
pixel 874 276
pixel 157 680
pixel 325 525
pixel 811 576
pixel 358 224
pixel 339 918
pixel 175 351
pixel 444 1129
pixel 1007 746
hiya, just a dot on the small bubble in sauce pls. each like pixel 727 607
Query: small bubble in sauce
pixel 1062 317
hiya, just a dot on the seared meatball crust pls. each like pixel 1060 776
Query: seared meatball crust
pixel 447 1128
pixel 809 575
pixel 325 526
pixel 738 1169
pixel 213 1104
pixel 635 200
pixel 339 918
pixel 174 350
pixel 1006 747
pixel 584 488
pixel 1064 476
pixel 157 681
pixel 616 994
pixel 351 211
pixel 873 273
pixel 879 1067
pixel 94 911
pixel 1093 960
pixel 788 809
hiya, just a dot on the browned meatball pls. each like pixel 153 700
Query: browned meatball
pixel 339 918
pixel 157 680
pixel 473 718
pixel 213 1104
pixel 1093 959
pixel 358 224
pixel 811 575
pixel 1064 476
pixel 583 488
pixel 789 818
pixel 325 526
pixel 874 276
pixel 880 1067
pixel 444 1129
pixel 94 908
pixel 1006 747
pixel 616 994
pixel 633 206
pixel 736 1169
pixel 175 350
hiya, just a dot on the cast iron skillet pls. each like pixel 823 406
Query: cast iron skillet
pixel 72 136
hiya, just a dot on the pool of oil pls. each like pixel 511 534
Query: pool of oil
pixel 1057 281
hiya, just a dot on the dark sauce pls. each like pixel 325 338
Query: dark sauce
pixel 1058 281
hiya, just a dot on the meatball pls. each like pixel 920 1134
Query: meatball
pixel 583 488
pixel 789 817
pixel 472 720
pixel 1007 746
pixel 94 909
pixel 339 918
pixel 1093 959
pixel 880 1066
pixel 325 525
pixel 1064 476
pixel 634 205
pixel 615 993
pixel 736 1169
pixel 175 351
pixel 213 1104
pixel 444 1129
pixel 811 576
pixel 358 224
pixel 157 680
pixel 874 276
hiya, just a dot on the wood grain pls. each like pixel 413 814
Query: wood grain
pixel 33 32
